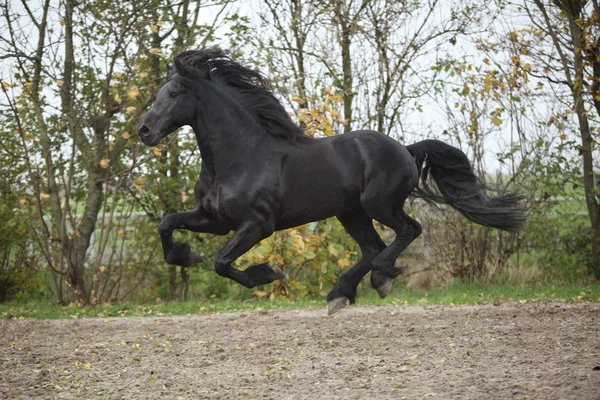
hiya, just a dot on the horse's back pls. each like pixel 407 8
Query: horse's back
pixel 321 178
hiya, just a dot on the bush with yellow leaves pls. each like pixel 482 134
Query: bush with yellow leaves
pixel 312 256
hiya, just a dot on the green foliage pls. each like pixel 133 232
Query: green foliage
pixel 19 268
pixel 577 244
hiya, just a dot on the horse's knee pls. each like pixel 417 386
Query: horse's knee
pixel 164 228
pixel 418 228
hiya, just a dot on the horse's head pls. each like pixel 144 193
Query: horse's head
pixel 172 109
pixel 177 102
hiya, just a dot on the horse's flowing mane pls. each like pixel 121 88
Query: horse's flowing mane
pixel 250 84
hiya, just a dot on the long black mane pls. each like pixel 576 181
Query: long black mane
pixel 250 84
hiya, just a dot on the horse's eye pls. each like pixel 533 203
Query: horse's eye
pixel 173 94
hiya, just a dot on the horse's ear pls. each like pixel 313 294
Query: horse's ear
pixel 170 70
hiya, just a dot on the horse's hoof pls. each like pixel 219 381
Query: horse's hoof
pixel 384 289
pixel 195 258
pixel 279 274
pixel 336 305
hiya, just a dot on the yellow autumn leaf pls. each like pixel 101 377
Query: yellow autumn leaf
pixel 126 135
pixel 121 234
pixel 44 196
pixel 343 262
pixel 160 24
pixel 5 86
pixel 299 243
pixel 184 196
pixel 143 74
pixel 154 28
pixel 337 98
pixel 139 181
pixel 473 128
pixel 133 92
pixel 488 84
pixel 335 249
pixel 105 163
pixel 102 268
pixel 297 99
pixel 156 152
pixel 496 120
pixel 563 137
pixel 130 110
pixel 60 82
pixel 83 365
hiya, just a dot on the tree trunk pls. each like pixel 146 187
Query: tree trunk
pixel 300 38
pixel 586 141
pixel 573 10
pixel 342 15
pixel 173 282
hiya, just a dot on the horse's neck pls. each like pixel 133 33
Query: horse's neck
pixel 228 137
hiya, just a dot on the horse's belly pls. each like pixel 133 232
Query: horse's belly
pixel 316 207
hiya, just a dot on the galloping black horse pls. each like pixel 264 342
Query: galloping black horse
pixel 260 174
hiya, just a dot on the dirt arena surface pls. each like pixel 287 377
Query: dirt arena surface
pixel 509 351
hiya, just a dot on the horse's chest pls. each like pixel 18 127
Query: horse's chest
pixel 210 200
pixel 216 202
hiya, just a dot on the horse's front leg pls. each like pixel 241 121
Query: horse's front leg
pixel 242 241
pixel 196 221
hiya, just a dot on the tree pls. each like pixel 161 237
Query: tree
pixel 570 58
pixel 177 164
pixel 88 59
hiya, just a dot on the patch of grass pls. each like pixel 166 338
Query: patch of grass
pixel 456 294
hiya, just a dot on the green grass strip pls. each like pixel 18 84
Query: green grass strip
pixel 457 294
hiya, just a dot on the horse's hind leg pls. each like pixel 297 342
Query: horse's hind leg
pixel 384 269
pixel 360 227
pixel 197 220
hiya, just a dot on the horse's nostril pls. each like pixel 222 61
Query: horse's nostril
pixel 143 130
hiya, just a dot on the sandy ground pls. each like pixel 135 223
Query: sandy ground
pixel 521 351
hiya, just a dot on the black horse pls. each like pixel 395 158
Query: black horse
pixel 261 173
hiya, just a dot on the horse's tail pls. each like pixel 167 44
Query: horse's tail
pixel 458 186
